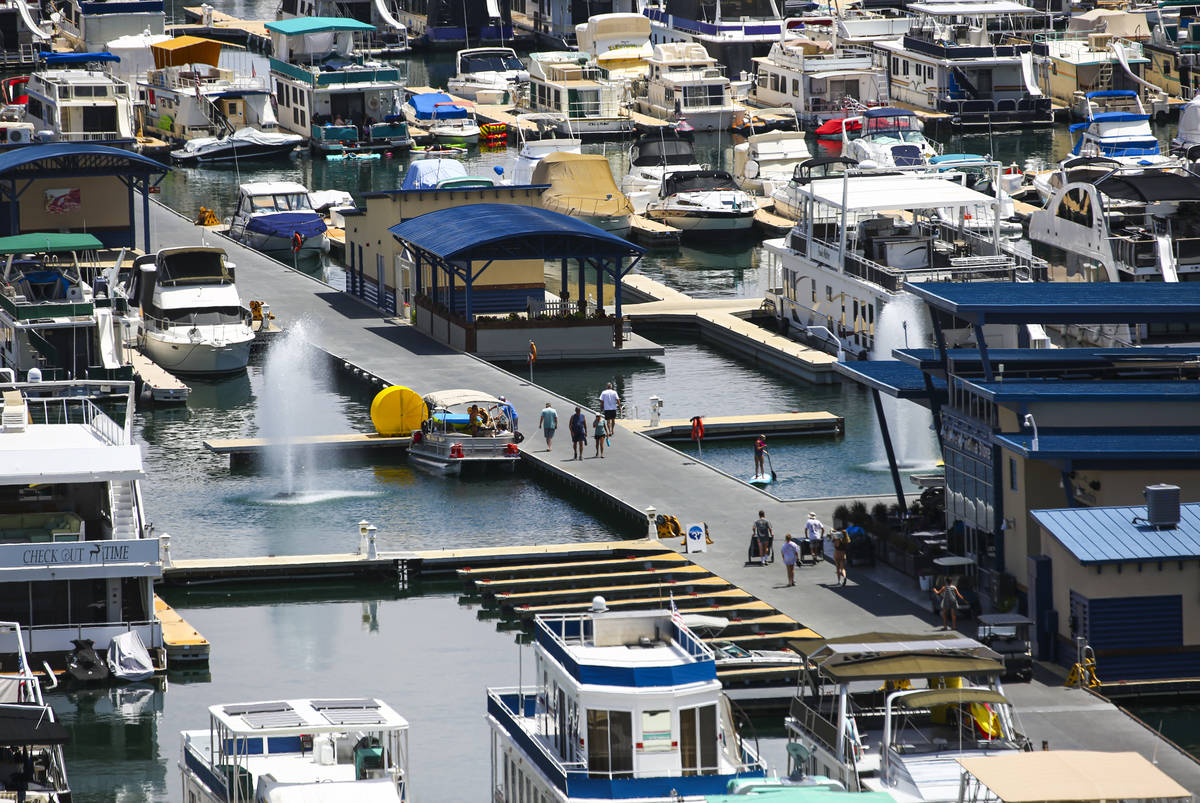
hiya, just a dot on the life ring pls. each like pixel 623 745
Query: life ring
pixel 373 103
pixel 697 428
pixel 532 352
pixel 297 242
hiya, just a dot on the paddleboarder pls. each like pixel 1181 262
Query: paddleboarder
pixel 760 456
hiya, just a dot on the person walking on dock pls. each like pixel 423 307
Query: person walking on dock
pixel 599 432
pixel 549 423
pixel 949 596
pixel 760 455
pixel 762 534
pixel 790 553
pixel 814 532
pixel 609 402
pixel 840 542
pixel 578 426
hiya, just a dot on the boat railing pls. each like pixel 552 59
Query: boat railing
pixel 76 410
pixel 562 309
pixel 396 130
pixel 506 705
pixel 89 136
pixel 334 133
pixel 42 639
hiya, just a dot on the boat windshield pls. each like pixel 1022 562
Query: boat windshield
pixel 697 182
pixel 485 62
pixel 211 316
pixel 1136 147
pixel 664 152
pixel 288 202
pixel 902 127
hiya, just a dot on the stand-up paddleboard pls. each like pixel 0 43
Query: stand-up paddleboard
pixel 761 480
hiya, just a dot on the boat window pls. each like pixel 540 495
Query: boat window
pixel 483 62
pixel 262 202
pixel 208 317
pixel 698 740
pixel 656 731
pixel 1076 206
pixel 292 201
pixel 705 181
pixel 610 743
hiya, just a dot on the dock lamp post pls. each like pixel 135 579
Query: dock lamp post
pixel 372 552
pixel 362 536
pixel 651 515
pixel 1029 422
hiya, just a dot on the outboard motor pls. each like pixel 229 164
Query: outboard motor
pixel 84 665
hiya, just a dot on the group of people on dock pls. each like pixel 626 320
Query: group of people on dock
pixel 762 537
pixel 602 426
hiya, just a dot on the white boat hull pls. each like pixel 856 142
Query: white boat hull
pixel 701 120
pixel 273 244
pixel 703 222
pixel 596 127
pixel 181 355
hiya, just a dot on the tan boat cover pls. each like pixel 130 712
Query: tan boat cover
pixel 1127 24
pixel 580 184
pixel 187 50
pixel 1072 775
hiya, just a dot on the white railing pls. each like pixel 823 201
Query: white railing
pixel 89 136
pixel 77 411
pixel 57 638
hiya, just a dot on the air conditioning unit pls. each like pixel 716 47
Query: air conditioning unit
pixel 1162 505
pixel 1099 41
pixel 18 134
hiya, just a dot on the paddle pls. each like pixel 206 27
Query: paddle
pixel 774 476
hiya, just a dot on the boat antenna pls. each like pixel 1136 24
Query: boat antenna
pixel 466 27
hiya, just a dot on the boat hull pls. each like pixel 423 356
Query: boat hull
pixel 184 357
pixel 275 244
pixel 701 222
pixel 235 153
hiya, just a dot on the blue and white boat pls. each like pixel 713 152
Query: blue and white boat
pixel 625 705
pixel 448 122
pixel 1117 127
pixel 277 217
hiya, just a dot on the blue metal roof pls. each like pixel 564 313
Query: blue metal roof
pixel 1062 302
pixel 1088 390
pixel 891 377
pixel 1091 445
pixel 72 159
pixel 509 231
pixel 1110 535
pixel 297 26
pixel 1022 359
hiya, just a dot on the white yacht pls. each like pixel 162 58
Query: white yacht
pixel 193 321
pixel 624 705
pixel 552 134
pixel 76 105
pixel 685 82
pixel 74 541
pixel 791 199
pixel 1187 136
pixel 617 43
pixel 820 84
pixel 189 95
pixel 566 82
pixel 702 202
pixel 459 433
pixel 333 749
pixel 860 238
pixel 651 157
pixel 905 740
pixel 767 161
pixel 277 217
pixel 28 725
pixel 887 137
pixel 245 144
pixel 488 75
pixel 329 94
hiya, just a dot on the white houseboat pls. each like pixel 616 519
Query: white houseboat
pixel 335 750
pixel 74 541
pixel 618 43
pixel 685 82
pixel 28 725
pixel 488 75
pixel 566 83
pixel 80 105
pixel 328 94
pixel 464 430
pixel 820 85
pixel 624 705
pixel 193 321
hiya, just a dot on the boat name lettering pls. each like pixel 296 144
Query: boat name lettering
pixel 95 553
pixel 823 254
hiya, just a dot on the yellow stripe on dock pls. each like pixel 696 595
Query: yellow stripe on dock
pixel 552 568
pixel 497 586
pixel 491 554
pixel 668 586
pixel 182 641
pixel 750 604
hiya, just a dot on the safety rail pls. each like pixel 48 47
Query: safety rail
pixel 562 309
pixel 76 410
pixel 90 136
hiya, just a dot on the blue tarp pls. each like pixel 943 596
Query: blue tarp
pixel 1118 117
pixel 424 174
pixel 1112 93
pixel 424 105
pixel 887 111
pixel 285 224
pixel 76 58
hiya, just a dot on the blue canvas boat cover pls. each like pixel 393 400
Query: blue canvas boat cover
pixel 285 224
pixel 76 58
pixel 424 174
pixel 425 103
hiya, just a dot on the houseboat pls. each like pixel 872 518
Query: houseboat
pixel 820 85
pixel 277 217
pixel 193 321
pixel 80 105
pixel 489 75
pixel 687 83
pixel 963 60
pixel 74 541
pixel 1071 65
pixel 567 83
pixel 58 312
pixel 332 749
pixel 188 95
pixel 390 35
pixel 459 433
pixel 624 705
pixel 617 43
pixel 850 255
pixel 453 24
pixel 28 725
pixel 328 94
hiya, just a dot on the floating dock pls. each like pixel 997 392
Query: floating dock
pixel 161 386
pixel 183 643
pixel 721 427
pixel 282 568
pixel 247 450
pixel 652 233
pixel 225 28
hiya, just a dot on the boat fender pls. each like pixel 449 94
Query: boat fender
pixel 752 169
pixel 373 103
pixel 517 436
pixel 297 242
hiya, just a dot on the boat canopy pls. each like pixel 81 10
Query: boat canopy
pixel 1151 186
pixel 302 26
pixel 912 665
pixel 664 149
pixel 1111 93
pixel 76 58
pixel 927 698
pixel 696 181
pixel 1189 122
pixel 424 174
pixel 192 264
pixel 887 111
pixel 873 193
pixel 29 725
pixel 425 103
pixel 457 396
pixel 48 243
pixel 186 50
pixel 304 717
pixel 1050 776
pixel 580 183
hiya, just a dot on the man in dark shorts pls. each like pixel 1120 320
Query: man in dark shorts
pixel 578 425
pixel 609 402
pixel 762 534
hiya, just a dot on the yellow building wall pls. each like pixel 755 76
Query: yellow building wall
pixel 104 204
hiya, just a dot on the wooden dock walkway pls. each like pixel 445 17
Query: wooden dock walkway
pixel 720 427
pixel 254 32
pixel 164 387
pixel 652 233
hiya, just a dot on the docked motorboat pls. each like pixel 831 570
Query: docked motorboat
pixel 193 321
pixel 447 121
pixel 790 199
pixel 582 186
pixel 551 133
pixel 702 202
pixel 686 82
pixel 1187 136
pixel 1118 127
pixel 277 217
pixel 245 144
pixel 442 174
pixel 488 75
pixel 767 161
pixel 128 659
pixel 888 137
pixel 464 429
pixel 278 751
pixel 640 713
pixel 651 157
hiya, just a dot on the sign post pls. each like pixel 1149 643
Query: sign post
pixel 696 542
pixel 532 359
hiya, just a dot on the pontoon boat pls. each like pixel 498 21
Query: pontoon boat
pixel 464 429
